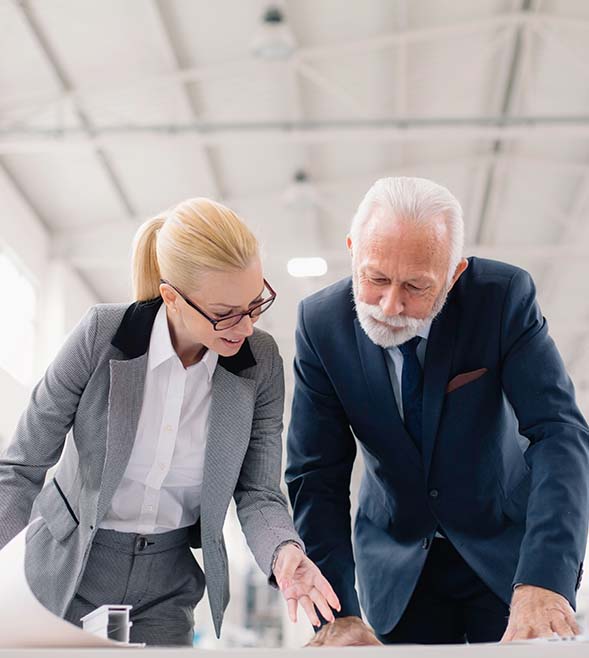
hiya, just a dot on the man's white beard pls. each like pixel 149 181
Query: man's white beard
pixel 374 321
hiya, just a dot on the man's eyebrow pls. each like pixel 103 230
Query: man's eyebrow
pixel 257 299
pixel 375 270
pixel 424 278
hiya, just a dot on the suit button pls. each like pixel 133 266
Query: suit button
pixel 425 543
pixel 433 493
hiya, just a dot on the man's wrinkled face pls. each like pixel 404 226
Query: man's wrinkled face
pixel 400 276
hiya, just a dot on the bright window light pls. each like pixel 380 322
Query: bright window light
pixel 307 267
pixel 17 332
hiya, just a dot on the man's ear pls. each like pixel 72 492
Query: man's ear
pixel 462 265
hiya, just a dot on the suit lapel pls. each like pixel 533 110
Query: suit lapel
pixel 384 405
pixel 230 418
pixel 127 380
pixel 438 360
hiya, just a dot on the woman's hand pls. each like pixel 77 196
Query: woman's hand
pixel 300 581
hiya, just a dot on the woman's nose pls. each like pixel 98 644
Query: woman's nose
pixel 245 326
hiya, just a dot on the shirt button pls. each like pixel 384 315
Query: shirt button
pixel 162 466
pixel 149 508
pixel 433 493
pixel 168 428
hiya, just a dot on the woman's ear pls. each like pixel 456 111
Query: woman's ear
pixel 169 296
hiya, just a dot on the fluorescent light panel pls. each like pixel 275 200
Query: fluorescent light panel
pixel 300 267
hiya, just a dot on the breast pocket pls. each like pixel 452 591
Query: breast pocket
pixel 471 401
pixel 57 511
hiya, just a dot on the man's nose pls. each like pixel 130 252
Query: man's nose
pixel 391 303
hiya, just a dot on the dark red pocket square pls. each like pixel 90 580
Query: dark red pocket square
pixel 464 378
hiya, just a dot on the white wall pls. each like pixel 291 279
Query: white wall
pixel 64 301
pixel 62 295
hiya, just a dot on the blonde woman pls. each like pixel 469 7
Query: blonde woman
pixel 175 405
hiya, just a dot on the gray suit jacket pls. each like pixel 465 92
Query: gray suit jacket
pixel 94 388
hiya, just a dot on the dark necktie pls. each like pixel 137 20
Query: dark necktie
pixel 412 389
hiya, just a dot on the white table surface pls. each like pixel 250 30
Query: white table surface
pixel 556 649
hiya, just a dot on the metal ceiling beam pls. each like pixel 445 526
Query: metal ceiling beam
pixel 402 64
pixel 67 87
pixel 387 41
pixel 230 69
pixel 95 250
pixel 397 153
pixel 513 77
pixel 379 130
pixel 312 216
pixel 573 231
pixel 178 62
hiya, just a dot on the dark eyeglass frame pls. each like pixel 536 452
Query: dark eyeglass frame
pixel 215 322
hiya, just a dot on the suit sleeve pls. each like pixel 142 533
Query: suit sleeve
pixel 321 452
pixel 40 434
pixel 261 506
pixel 542 395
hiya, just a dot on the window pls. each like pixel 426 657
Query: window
pixel 17 322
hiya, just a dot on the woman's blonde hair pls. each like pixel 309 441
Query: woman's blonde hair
pixel 197 236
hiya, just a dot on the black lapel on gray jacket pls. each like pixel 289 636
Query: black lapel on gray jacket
pixel 132 336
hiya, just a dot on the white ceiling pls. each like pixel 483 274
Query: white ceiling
pixel 111 111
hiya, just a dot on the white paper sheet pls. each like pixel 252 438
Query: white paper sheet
pixel 24 622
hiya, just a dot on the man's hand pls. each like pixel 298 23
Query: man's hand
pixel 300 581
pixel 539 612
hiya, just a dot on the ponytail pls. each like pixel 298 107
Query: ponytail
pixel 146 271
pixel 180 245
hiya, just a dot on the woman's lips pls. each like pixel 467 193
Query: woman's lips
pixel 234 343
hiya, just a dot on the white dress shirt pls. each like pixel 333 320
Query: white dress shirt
pixel 161 487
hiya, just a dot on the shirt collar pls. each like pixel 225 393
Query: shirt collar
pixel 424 331
pixel 210 359
pixel 161 348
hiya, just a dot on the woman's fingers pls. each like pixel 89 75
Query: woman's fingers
pixel 322 604
pixel 322 584
pixel 302 583
pixel 309 609
pixel 292 609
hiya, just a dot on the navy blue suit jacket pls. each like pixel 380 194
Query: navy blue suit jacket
pixel 504 468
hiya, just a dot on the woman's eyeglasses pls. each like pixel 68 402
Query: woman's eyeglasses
pixel 231 320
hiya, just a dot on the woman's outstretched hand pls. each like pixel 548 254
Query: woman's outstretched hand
pixel 300 581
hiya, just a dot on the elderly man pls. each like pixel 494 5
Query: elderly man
pixel 473 505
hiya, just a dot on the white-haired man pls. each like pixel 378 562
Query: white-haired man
pixel 473 507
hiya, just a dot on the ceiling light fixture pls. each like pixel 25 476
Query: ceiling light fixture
pixel 274 39
pixel 301 267
pixel 301 195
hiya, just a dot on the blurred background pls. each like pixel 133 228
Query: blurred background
pixel 112 111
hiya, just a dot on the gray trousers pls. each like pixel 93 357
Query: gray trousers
pixel 156 574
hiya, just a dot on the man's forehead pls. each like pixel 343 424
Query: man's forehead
pixel 418 250
pixel 381 223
